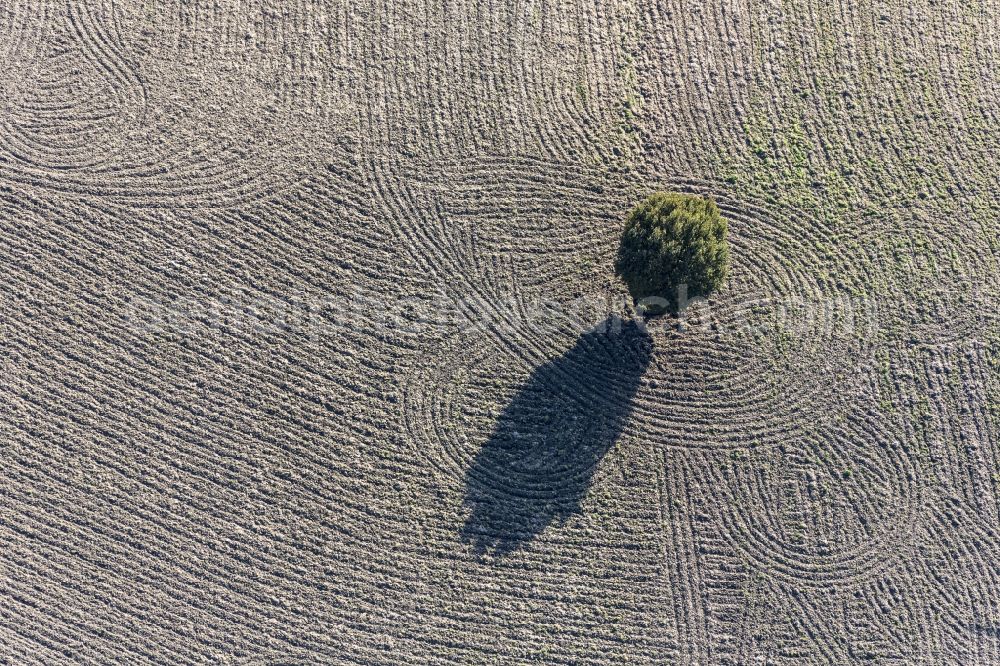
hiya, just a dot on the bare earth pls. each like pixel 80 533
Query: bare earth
pixel 312 351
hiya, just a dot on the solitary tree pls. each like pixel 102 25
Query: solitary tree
pixel 673 248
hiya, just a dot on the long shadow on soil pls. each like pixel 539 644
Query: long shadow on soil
pixel 540 459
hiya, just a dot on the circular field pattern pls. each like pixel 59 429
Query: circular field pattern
pixel 758 362
pixel 748 368
pixel 536 433
pixel 93 112
pixel 834 508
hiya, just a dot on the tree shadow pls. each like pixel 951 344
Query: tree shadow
pixel 539 461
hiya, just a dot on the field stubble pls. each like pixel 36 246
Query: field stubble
pixel 312 350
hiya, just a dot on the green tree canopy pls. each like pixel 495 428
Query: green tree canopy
pixel 672 242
